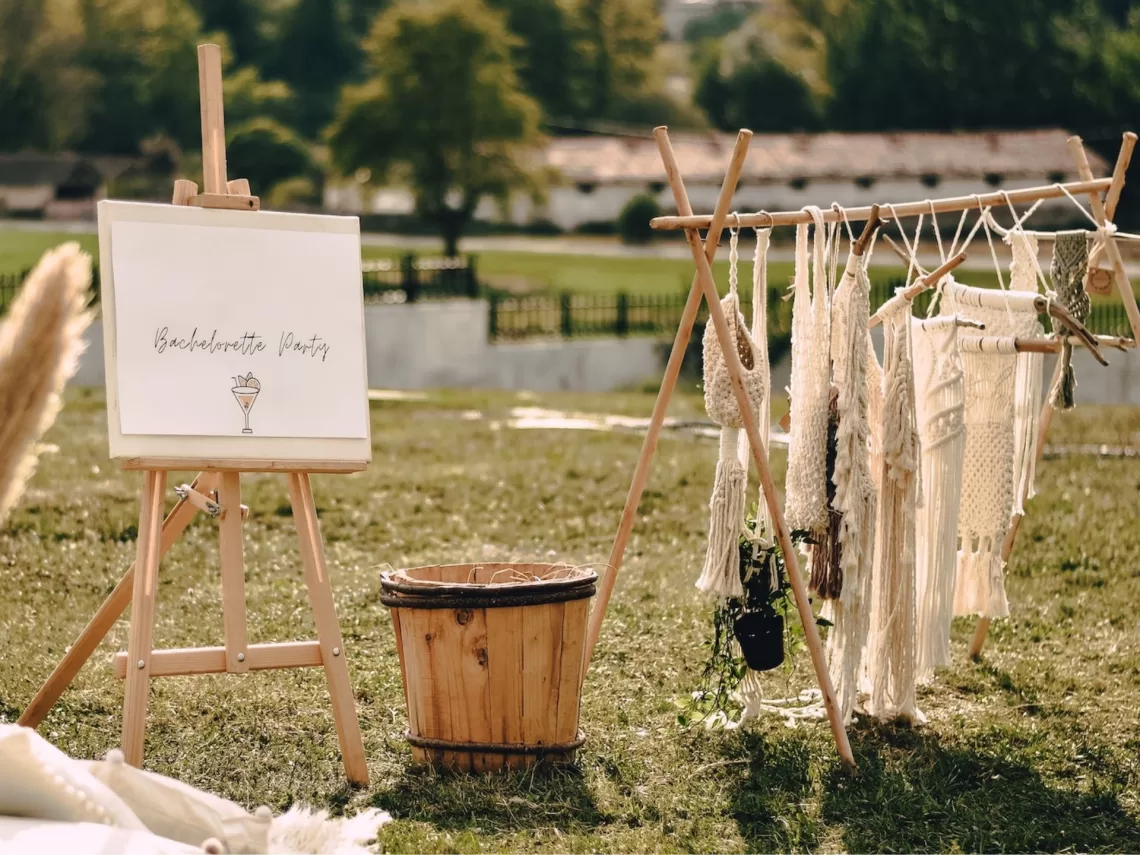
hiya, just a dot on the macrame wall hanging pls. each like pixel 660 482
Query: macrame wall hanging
pixel 720 576
pixel 806 481
pixel 1069 268
pixel 990 368
pixel 847 592
pixel 939 407
pixel 890 659
pixel 1024 274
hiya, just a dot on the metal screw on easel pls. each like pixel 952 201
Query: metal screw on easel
pixel 336 651
pixel 141 664
pixel 241 657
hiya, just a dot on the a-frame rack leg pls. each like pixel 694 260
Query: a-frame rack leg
pixel 704 286
pixel 1103 212
pixel 668 384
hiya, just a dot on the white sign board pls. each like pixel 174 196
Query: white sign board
pixel 233 335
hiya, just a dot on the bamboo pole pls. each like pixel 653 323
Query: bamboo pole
pixel 1104 213
pixel 668 383
pixel 903 209
pixel 759 450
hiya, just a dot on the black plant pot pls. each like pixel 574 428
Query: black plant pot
pixel 761 638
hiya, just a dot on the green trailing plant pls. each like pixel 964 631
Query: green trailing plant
pixel 725 668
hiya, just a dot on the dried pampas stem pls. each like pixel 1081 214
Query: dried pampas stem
pixel 40 343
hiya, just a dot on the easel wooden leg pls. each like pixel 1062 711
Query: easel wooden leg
pixel 328 630
pixel 111 610
pixel 759 450
pixel 661 406
pixel 142 617
pixel 233 574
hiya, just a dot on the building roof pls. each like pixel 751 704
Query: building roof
pixel 774 158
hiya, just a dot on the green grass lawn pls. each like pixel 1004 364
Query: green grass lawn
pixel 1034 749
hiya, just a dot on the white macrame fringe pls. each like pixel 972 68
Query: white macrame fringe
pixel 939 399
pixel 720 576
pixel 1027 394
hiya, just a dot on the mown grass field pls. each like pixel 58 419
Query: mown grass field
pixel 1034 749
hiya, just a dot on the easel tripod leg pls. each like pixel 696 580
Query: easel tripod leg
pixel 111 610
pixel 328 629
pixel 142 617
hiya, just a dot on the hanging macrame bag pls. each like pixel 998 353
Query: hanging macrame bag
pixel 720 576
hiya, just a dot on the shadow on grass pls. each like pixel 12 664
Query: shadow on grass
pixel 916 791
pixel 496 803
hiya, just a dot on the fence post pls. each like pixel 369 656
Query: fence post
pixel 567 323
pixel 622 325
pixel 410 282
pixel 472 279
pixel 492 316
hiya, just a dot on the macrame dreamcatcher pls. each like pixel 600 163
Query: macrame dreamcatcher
pixel 720 576
pixel 1069 268
pixel 939 407
pixel 848 594
pixel 990 368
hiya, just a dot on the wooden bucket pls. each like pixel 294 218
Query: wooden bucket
pixel 492 667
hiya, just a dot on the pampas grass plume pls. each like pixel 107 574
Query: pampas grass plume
pixel 40 343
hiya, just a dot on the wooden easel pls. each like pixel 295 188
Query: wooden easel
pixel 217 490
pixel 1102 210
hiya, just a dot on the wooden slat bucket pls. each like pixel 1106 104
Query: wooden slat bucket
pixel 491 657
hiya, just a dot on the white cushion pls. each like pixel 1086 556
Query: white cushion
pixel 180 812
pixel 41 782
pixel 40 837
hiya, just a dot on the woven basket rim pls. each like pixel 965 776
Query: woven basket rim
pixel 573 576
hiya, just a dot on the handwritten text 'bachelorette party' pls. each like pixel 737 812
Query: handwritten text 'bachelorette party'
pixel 246 344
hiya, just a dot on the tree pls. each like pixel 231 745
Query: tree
pixel 240 20
pixel 266 153
pixel 939 64
pixel 442 111
pixel 543 51
pixel 249 97
pixel 768 75
pixel 615 43
pixel 42 91
pixel 315 56
pixel 142 55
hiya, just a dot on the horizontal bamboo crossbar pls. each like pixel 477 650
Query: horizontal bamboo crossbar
pixel 181 661
pixel 763 219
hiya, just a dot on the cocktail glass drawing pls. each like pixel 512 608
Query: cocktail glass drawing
pixel 245 391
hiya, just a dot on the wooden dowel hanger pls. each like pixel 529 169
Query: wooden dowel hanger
pixel 927 282
pixel 763 219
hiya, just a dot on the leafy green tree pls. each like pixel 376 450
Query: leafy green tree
pixel 441 111
pixel 633 221
pixel 266 153
pixel 249 97
pixel 315 55
pixel 615 43
pixel 768 75
pixel 919 64
pixel 543 51
pixel 240 20
pixel 42 91
pixel 142 57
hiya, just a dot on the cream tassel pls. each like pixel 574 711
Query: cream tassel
pixel 720 576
